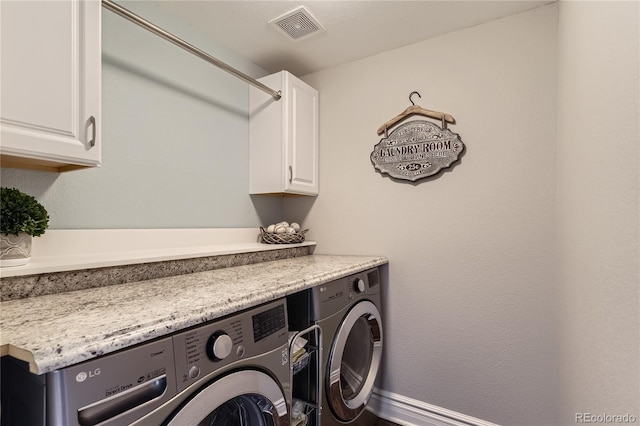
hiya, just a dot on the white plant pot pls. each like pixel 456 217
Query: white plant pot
pixel 15 250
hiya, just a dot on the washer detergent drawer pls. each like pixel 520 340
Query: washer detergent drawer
pixel 113 390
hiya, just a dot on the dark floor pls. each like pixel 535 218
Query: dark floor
pixel 382 422
pixel 369 419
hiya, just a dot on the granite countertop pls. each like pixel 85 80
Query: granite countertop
pixel 58 330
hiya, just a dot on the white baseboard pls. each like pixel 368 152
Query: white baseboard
pixel 410 412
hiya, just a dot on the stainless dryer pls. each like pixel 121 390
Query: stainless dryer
pixel 348 312
pixel 232 371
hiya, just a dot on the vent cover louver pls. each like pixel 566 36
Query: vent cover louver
pixel 297 24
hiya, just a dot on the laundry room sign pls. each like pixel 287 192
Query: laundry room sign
pixel 416 149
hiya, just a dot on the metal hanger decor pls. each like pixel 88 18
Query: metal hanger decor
pixel 417 148
pixel 416 110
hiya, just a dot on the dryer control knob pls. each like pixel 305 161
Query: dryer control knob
pixel 219 346
pixel 359 285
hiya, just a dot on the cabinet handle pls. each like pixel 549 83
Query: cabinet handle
pixel 290 174
pixel 92 121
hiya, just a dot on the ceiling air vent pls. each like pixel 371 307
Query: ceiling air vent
pixel 297 24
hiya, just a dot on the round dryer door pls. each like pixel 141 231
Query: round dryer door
pixel 246 397
pixel 354 361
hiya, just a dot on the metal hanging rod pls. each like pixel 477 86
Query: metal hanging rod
pixel 125 13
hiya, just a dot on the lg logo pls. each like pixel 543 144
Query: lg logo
pixel 82 376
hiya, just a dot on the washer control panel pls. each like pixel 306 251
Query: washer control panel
pixel 220 343
pixel 329 298
pixel 357 285
pixel 268 322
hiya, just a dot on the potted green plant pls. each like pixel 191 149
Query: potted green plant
pixel 21 218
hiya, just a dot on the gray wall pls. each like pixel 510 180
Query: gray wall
pixel 514 277
pixel 175 139
pixel 469 311
pixel 598 201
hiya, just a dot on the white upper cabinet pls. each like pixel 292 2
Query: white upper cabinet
pixel 50 80
pixel 283 137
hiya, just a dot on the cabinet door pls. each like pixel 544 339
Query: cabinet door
pixel 50 79
pixel 283 137
pixel 302 146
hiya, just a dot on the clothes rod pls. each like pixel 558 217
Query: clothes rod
pixel 125 13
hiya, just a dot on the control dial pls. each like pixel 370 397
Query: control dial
pixel 359 285
pixel 219 346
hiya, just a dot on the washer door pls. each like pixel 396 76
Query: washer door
pixel 354 361
pixel 243 398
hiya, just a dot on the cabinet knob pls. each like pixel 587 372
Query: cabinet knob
pixel 92 141
pixel 290 174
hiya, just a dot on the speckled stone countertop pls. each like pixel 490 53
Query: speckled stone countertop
pixel 58 330
pixel 17 287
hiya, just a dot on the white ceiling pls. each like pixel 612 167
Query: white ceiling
pixel 354 29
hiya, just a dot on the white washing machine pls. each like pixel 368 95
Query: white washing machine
pixel 348 312
pixel 229 372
